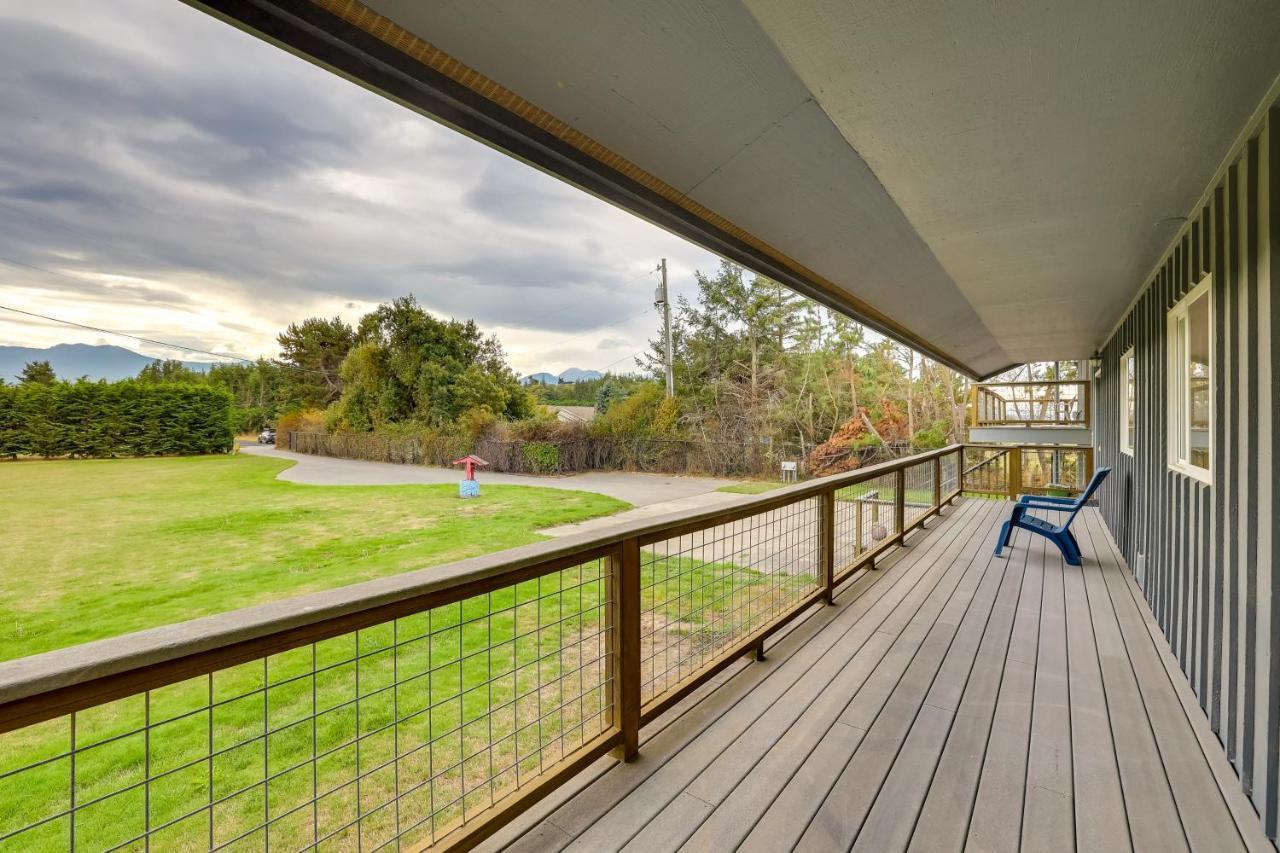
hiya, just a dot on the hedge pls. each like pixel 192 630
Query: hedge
pixel 99 419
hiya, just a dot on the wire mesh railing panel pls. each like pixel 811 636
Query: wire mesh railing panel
pixel 918 492
pixel 986 470
pixel 704 592
pixel 865 518
pixel 1059 471
pixel 949 467
pixel 386 736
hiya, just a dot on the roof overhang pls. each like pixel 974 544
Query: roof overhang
pixel 987 189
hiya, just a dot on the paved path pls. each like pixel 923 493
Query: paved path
pixel 640 490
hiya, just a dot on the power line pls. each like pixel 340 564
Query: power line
pixel 160 343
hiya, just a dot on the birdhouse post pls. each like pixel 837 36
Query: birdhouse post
pixel 469 488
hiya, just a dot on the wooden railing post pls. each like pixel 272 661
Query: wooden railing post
pixel 625 577
pixel 937 482
pixel 827 542
pixel 973 406
pixel 1014 467
pixel 858 513
pixel 900 503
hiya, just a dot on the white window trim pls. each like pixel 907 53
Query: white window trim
pixel 1180 311
pixel 1125 447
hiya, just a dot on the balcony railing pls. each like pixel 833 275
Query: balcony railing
pixel 1028 469
pixel 426 709
pixel 1050 402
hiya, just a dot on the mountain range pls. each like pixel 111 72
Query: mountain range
pixel 71 361
pixel 573 374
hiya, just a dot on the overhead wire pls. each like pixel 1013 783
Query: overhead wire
pixel 160 343
pixel 242 359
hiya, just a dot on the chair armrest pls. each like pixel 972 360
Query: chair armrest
pixel 1055 507
pixel 1046 499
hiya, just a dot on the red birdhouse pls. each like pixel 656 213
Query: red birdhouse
pixel 471 462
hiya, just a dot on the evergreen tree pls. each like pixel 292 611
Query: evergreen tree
pixel 314 350
pixel 37 373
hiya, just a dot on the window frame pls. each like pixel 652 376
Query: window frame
pixel 1127 363
pixel 1179 403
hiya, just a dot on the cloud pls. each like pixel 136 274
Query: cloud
pixel 199 185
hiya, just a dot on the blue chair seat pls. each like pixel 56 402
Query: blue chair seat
pixel 1038 523
pixel 1058 534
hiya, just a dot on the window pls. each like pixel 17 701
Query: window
pixel 1128 403
pixel 1191 383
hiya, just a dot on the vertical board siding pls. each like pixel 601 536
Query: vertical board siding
pixel 1205 555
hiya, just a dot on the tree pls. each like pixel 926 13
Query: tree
pixel 37 373
pixel 314 351
pixel 170 370
pixel 407 366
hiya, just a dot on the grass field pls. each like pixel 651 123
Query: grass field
pixel 96 548
pixel 341 742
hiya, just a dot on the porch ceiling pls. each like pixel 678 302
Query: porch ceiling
pixel 989 182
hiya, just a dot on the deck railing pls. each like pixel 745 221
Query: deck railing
pixel 1042 403
pixel 1005 471
pixel 430 708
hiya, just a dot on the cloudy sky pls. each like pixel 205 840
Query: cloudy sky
pixel 164 174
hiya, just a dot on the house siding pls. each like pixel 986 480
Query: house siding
pixel 1205 555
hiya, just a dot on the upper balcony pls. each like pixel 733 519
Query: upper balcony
pixel 1055 411
pixel 839 664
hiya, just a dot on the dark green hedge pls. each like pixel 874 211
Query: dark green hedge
pixel 87 419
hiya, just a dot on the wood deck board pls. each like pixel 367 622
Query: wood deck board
pixel 950 700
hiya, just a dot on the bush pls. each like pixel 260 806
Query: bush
pixel 542 457
pixel 98 419
pixel 648 413
pixel 300 420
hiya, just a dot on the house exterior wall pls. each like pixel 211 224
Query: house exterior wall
pixel 1207 555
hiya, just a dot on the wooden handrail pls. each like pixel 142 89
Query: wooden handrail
pixel 1032 382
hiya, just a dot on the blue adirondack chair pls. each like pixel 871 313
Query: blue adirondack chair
pixel 1058 534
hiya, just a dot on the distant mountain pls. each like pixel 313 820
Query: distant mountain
pixel 570 376
pixel 71 361
pixel 576 374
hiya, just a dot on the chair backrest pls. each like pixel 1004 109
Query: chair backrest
pixel 1098 477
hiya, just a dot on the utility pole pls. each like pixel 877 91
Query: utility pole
pixel 665 304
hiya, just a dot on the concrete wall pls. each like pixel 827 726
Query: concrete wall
pixel 1206 556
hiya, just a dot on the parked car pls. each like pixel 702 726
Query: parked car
pixel 267 436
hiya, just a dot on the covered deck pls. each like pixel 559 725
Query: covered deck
pixel 951 700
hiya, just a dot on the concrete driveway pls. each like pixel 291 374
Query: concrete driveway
pixel 640 490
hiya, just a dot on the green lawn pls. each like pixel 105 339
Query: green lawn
pixel 96 548
pixel 447 708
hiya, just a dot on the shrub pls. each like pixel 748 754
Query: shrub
pixel 300 420
pixel 96 419
pixel 542 457
pixel 648 413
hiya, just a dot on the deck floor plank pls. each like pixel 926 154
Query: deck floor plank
pixel 951 700
pixel 996 821
pixel 891 822
pixel 943 821
pixel 851 627
pixel 1101 822
pixel 840 818
pixel 756 769
pixel 1152 816
pixel 1206 819
pixel 788 816
pixel 1048 818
